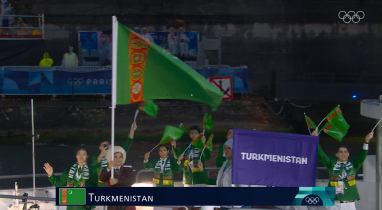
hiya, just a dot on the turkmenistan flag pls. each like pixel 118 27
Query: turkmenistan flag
pixel 144 71
pixel 149 107
pixel 72 196
pixel 336 127
pixel 183 127
pixel 207 122
pixel 171 133
pixel 310 123
pixel 198 143
pixel 209 145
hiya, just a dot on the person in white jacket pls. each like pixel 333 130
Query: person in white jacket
pixel 225 173
pixel 172 41
pixel 183 42
pixel 146 35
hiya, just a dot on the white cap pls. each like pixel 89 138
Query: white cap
pixel 229 143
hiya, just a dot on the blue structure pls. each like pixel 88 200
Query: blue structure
pixel 83 80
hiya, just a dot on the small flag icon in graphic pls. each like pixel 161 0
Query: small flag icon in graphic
pixel 72 196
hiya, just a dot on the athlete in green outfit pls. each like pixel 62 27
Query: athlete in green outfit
pixel 342 172
pixel 192 175
pixel 164 167
pixel 78 175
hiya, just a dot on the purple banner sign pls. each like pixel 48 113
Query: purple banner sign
pixel 274 159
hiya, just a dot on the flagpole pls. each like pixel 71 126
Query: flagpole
pixel 320 131
pixel 154 148
pixel 308 125
pixel 204 121
pixel 188 147
pixel 136 114
pixel 172 146
pixel 202 152
pixel 376 125
pixel 321 122
pixel 114 85
pixel 34 174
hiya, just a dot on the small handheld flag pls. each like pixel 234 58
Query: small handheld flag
pixel 149 107
pixel 207 122
pixel 336 127
pixel 310 123
pixel 208 145
pixel 170 133
pixel 198 142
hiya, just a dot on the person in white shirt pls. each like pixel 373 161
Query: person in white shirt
pixel 70 58
pixel 172 41
pixel 183 42
pixel 146 35
pixel 225 173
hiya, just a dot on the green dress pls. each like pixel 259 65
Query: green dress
pixel 164 178
pixel 335 173
pixel 220 158
pixel 192 154
pixel 99 166
pixel 70 179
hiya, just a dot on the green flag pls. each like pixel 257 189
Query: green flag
pixel 198 142
pixel 144 71
pixel 72 196
pixel 171 133
pixel 207 122
pixel 310 123
pixel 149 107
pixel 209 145
pixel 183 127
pixel 336 127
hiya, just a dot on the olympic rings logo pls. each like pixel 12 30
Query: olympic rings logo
pixel 312 200
pixel 351 16
pixel 75 81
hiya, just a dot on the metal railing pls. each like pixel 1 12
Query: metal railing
pixel 18 30
pixel 208 169
pixel 329 77
pixel 55 68
pixel 26 176
pixel 26 198
pixel 140 172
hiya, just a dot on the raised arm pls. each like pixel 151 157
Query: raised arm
pixel 56 181
pixel 361 157
pixel 129 140
pixel 149 165
pixel 321 156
